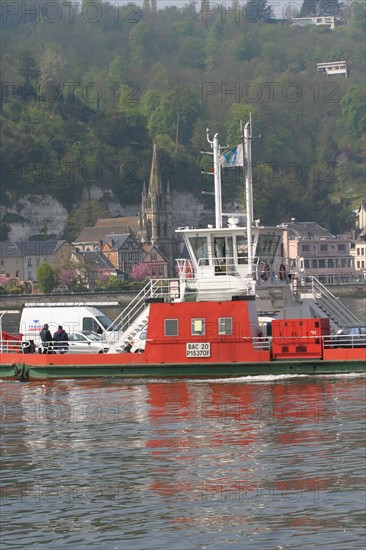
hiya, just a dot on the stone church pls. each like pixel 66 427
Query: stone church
pixel 155 218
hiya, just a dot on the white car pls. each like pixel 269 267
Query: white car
pixel 139 342
pixel 87 342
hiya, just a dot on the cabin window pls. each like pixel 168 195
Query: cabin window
pixel 199 246
pixel 170 327
pixel 241 249
pixel 225 325
pixel 198 327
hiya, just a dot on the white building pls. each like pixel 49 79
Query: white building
pixel 328 21
pixel 358 251
pixel 333 68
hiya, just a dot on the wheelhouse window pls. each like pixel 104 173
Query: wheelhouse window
pixel 170 327
pixel 267 246
pixel 200 250
pixel 198 327
pixel 241 249
pixel 225 325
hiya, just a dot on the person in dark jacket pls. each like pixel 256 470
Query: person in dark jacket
pixel 60 339
pixel 46 338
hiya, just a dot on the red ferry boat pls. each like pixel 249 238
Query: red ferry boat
pixel 204 339
pixel 232 311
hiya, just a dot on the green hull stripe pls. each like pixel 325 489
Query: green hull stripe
pixel 186 371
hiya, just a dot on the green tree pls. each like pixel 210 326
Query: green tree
pixel 45 278
pixel 258 10
pixel 353 113
pixel 312 8
pixel 85 216
pixel 27 66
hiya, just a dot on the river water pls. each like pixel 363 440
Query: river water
pixel 265 463
pixel 256 463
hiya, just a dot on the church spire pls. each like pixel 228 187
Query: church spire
pixel 155 182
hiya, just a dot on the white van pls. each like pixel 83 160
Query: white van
pixel 73 318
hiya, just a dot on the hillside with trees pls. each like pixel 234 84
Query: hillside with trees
pixel 86 91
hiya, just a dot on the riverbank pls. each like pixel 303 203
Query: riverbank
pixel 17 301
pixel 123 298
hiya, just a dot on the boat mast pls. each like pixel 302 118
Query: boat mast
pixel 247 136
pixel 217 179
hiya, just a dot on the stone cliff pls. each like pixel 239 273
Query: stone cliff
pixel 43 215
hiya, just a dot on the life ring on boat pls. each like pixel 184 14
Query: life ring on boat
pixel 282 273
pixel 188 271
pixel 265 274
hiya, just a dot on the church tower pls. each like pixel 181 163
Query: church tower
pixel 155 219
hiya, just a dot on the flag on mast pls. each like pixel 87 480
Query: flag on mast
pixel 232 157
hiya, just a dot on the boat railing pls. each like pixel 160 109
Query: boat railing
pixel 135 315
pixel 14 346
pixel 184 268
pixel 259 343
pixel 337 312
pixel 345 341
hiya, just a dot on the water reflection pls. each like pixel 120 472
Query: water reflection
pixel 243 460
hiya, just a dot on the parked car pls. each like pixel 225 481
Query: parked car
pixel 87 342
pixel 139 342
pixel 349 336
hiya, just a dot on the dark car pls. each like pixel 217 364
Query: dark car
pixel 349 336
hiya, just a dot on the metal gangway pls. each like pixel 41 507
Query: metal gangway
pixel 332 306
pixel 134 316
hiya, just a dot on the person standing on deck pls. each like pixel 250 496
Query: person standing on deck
pixel 46 338
pixel 60 339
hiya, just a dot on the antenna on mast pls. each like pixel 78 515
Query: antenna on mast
pixel 247 137
pixel 217 177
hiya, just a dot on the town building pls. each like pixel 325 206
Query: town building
pixel 358 251
pixel 333 68
pixel 319 20
pixel 123 251
pixel 312 250
pixel 155 219
pixel 92 238
pixel 91 264
pixel 360 217
pixel 156 262
pixel 21 259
